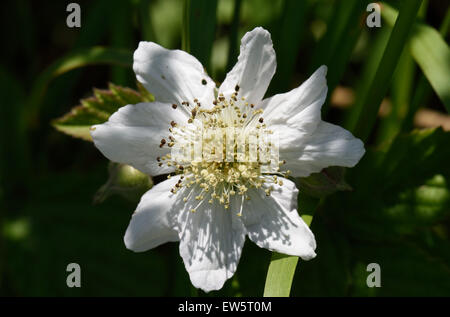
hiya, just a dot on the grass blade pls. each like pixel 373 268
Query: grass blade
pixel 380 83
pixel 423 88
pixel 282 267
pixel 431 53
pixel 280 275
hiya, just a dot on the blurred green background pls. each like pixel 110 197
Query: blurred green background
pixel 397 213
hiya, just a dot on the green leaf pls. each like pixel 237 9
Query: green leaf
pixel 342 39
pixel 78 121
pixel 379 85
pixel 422 205
pixel 397 216
pixel 280 275
pixel 395 194
pixel 97 109
pixel 322 184
pixel 431 53
pixel 429 150
pixel 282 267
pixel 366 78
pixel 401 93
pixel 76 59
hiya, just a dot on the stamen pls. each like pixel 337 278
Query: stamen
pixel 213 180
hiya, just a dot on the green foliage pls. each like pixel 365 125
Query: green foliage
pixel 431 53
pixel 97 109
pixel 382 78
pixel 76 59
pixel 322 184
pixel 279 275
pixel 397 217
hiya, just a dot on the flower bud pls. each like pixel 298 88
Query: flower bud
pixel 126 181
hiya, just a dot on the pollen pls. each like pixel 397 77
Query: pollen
pixel 229 163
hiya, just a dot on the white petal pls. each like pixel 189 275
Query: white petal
pixel 152 222
pixel 172 76
pixel 211 241
pixel 254 69
pixel 329 145
pixel 272 222
pixel 299 108
pixel 132 135
pixel 288 138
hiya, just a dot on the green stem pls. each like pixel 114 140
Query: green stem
pixel 282 267
pixel 280 275
pixel 380 83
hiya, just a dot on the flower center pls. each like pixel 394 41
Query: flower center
pixel 223 151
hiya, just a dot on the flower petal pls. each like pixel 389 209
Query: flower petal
pixel 254 69
pixel 329 145
pixel 151 224
pixel 300 107
pixel 272 222
pixel 172 76
pixel 211 241
pixel 132 135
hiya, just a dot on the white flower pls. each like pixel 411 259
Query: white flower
pixel 210 207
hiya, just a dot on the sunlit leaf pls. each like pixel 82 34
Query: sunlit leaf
pixel 380 83
pixel 282 267
pixel 431 53
pixel 97 109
